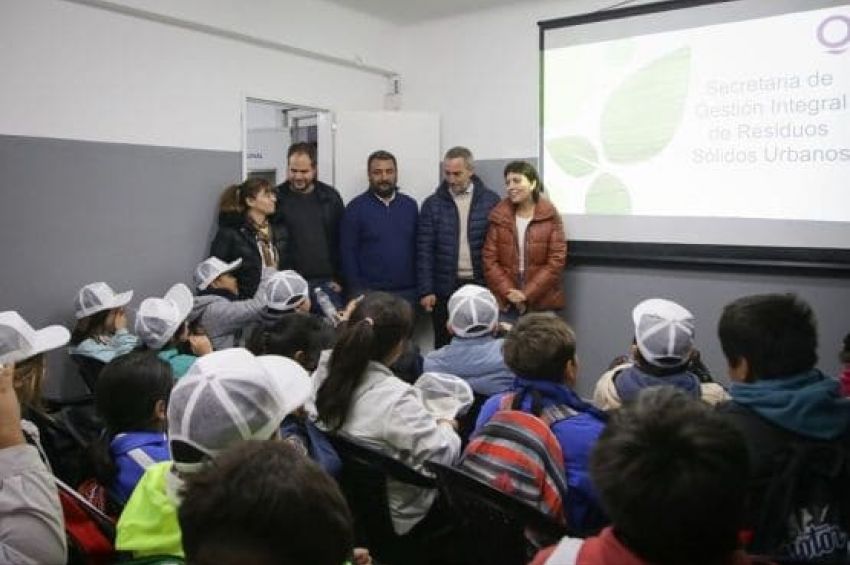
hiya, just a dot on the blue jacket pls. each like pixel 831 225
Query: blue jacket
pixel 437 238
pixel 133 452
pixel 576 435
pixel 378 244
pixel 477 360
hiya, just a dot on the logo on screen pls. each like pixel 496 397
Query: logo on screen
pixel 834 33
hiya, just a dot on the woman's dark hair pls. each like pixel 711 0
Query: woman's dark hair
pixel 294 332
pixel 262 501
pixel 377 326
pixel 126 395
pixel 528 171
pixel 89 327
pixel 673 477
pixel 235 197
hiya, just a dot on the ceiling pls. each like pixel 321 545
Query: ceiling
pixel 413 11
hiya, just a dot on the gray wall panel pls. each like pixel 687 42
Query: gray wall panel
pixel 75 212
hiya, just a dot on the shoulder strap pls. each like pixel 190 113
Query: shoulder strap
pixel 557 412
pixel 507 400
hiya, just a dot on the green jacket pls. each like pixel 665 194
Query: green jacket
pixel 148 525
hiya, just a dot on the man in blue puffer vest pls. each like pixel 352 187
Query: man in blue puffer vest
pixel 452 227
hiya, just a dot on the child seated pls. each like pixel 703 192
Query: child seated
pixel 474 353
pixel 264 503
pixel 785 408
pixel 31 524
pixel 217 307
pixel 541 351
pixel 101 328
pixel 662 350
pixel 131 397
pixel 226 397
pixel 161 324
pixel 359 396
pixel 301 337
pixel 284 292
pixel 672 476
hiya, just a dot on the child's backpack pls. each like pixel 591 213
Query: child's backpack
pixel 805 512
pixel 517 453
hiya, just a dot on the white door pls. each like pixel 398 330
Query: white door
pixel 413 137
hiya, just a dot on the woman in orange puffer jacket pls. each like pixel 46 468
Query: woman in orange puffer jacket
pixel 525 250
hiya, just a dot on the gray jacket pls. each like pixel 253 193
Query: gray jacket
pixel 224 319
pixel 32 529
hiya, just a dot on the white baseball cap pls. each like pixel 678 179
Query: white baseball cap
pixel 232 395
pixel 19 341
pixel 158 318
pixel 97 297
pixel 285 290
pixel 210 269
pixel 473 311
pixel 664 332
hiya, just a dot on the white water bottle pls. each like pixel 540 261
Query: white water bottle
pixel 327 307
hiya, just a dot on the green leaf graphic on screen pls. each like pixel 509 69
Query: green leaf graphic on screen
pixel 607 195
pixel 641 116
pixel 575 155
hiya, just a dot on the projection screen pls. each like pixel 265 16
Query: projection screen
pixel 704 131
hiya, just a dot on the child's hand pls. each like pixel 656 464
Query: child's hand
pixel 200 344
pixel 349 308
pixel 10 410
pixel 361 556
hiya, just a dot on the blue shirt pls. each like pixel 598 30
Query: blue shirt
pixel 477 360
pixel 576 435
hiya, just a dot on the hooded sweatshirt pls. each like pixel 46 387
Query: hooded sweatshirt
pixel 623 383
pixel 809 404
pixel 223 316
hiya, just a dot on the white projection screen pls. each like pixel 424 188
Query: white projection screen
pixel 701 131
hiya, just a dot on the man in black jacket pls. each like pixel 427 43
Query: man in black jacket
pixel 452 227
pixel 311 210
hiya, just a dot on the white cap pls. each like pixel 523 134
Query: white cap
pixel 664 332
pixel 19 341
pixel 473 311
pixel 97 297
pixel 231 395
pixel 285 290
pixel 210 269
pixel 158 318
pixel 444 395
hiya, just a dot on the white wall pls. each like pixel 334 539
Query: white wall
pixel 77 72
pixel 480 72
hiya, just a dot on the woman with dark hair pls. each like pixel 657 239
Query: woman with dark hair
pixel 525 249
pixel 360 397
pixel 245 233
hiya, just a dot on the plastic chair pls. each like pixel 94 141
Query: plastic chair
pixel 486 513
pixel 364 483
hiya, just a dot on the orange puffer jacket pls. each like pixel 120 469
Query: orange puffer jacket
pixel 545 256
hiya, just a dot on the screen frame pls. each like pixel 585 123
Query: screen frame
pixel 796 260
